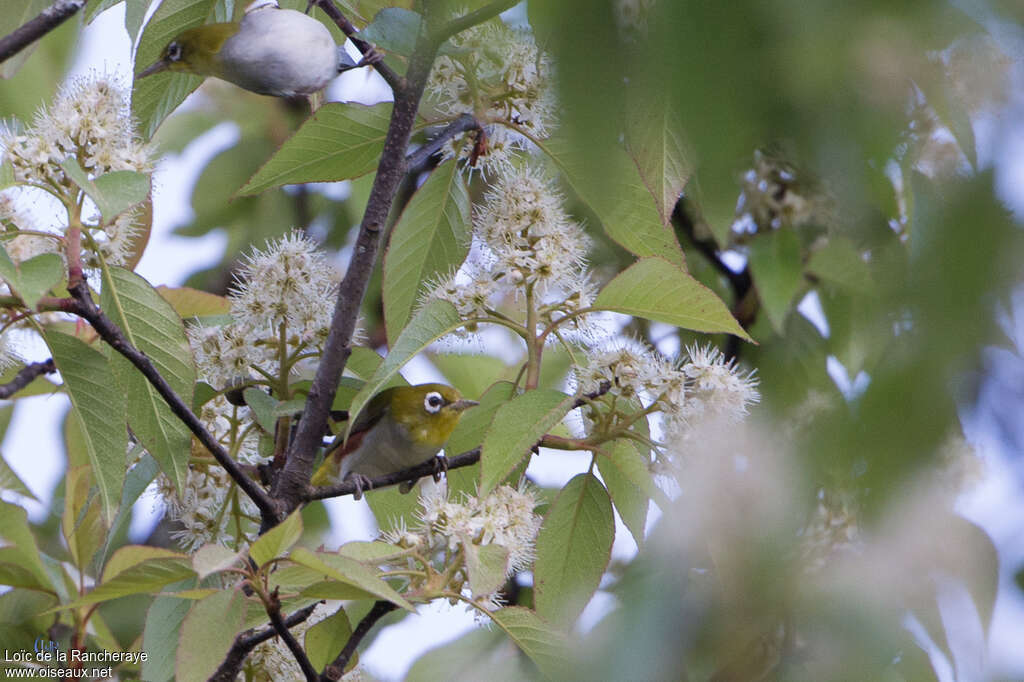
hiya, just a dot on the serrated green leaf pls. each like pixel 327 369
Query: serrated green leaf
pixel 33 278
pixel 430 323
pixel 431 238
pixel 210 559
pixel 840 263
pixel 573 549
pixel 189 302
pixel 160 637
pixel 263 407
pixel 487 566
pixel 338 142
pixel 473 374
pixel 151 325
pixel 135 569
pixel 278 540
pixel 134 15
pixel 155 97
pixel 392 508
pixel 94 9
pixel 113 192
pixel 618 197
pixel 370 552
pixel 9 480
pixel 776 264
pixel 325 640
pixel 100 404
pixel 81 523
pixel 516 427
pixel 630 500
pixel 349 571
pixel 546 645
pixel 394 29
pixel 654 138
pixel 207 633
pixel 655 289
pixel 22 548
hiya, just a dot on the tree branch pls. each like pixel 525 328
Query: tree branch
pixel 473 18
pixel 244 644
pixel 336 668
pixel 25 376
pixel 458 126
pixel 37 27
pixel 281 628
pixel 293 480
pixel 331 10
pixel 428 468
pixel 87 309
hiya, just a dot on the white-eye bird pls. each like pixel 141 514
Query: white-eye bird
pixel 271 51
pixel 400 427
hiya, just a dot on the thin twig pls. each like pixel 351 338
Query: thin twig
pixel 429 467
pixel 336 668
pixel 281 628
pixel 244 643
pixel 331 10
pixel 457 127
pixel 473 18
pixel 37 27
pixel 25 376
pixel 87 309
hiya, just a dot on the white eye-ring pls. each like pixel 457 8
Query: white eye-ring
pixel 174 52
pixel 433 402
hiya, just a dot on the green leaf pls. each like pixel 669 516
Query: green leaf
pixel 546 645
pixel 655 141
pixel 160 637
pixel 655 289
pixel 13 16
pixel 17 535
pixel 134 569
pixel 189 302
pixel 82 522
pixel 431 238
pixel 487 566
pixel 517 426
pixel 155 97
pixel 33 278
pixel 134 14
pixel 9 481
pixel 617 195
pixel 430 323
pixel 473 373
pixel 631 501
pixel 392 508
pixel 394 29
pixel 776 265
pixel 210 559
pixel 263 407
pixel 325 640
pixel 573 549
pixel 349 571
pixel 207 634
pixel 114 192
pixel 100 405
pixel 370 552
pixel 94 9
pixel 338 142
pixel 151 325
pixel 469 433
pixel 7 174
pixel 840 263
pixel 278 540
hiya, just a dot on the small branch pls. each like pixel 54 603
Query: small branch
pixel 331 10
pixel 47 20
pixel 232 664
pixel 473 18
pixel 336 668
pixel 87 309
pixel 281 628
pixel 457 127
pixel 429 468
pixel 25 376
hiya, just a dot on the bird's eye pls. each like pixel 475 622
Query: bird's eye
pixel 433 402
pixel 174 52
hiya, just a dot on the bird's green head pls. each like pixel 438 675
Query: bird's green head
pixel 194 51
pixel 429 412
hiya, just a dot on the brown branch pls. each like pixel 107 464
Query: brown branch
pixel 34 29
pixel 245 643
pixel 281 628
pixel 458 126
pixel 86 308
pixel 293 480
pixel 331 10
pixel 473 18
pixel 336 668
pixel 25 376
pixel 429 468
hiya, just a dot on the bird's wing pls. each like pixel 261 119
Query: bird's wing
pixel 374 411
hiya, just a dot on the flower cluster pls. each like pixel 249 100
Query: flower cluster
pixel 203 509
pixel 774 195
pixel 504 518
pixel 272 660
pixel 499 75
pixel 90 123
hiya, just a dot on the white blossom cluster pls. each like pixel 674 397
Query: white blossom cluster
pixel 773 196
pixel 499 75
pixel 504 518
pixel 89 121
pixel 523 238
pixel 204 508
pixel 272 660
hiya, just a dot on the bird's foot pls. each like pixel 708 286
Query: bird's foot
pixel 361 483
pixel 440 467
pixel 371 57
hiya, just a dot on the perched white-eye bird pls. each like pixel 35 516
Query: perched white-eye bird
pixel 400 427
pixel 271 51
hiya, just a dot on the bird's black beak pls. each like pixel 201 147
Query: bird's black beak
pixel 155 67
pixel 463 404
